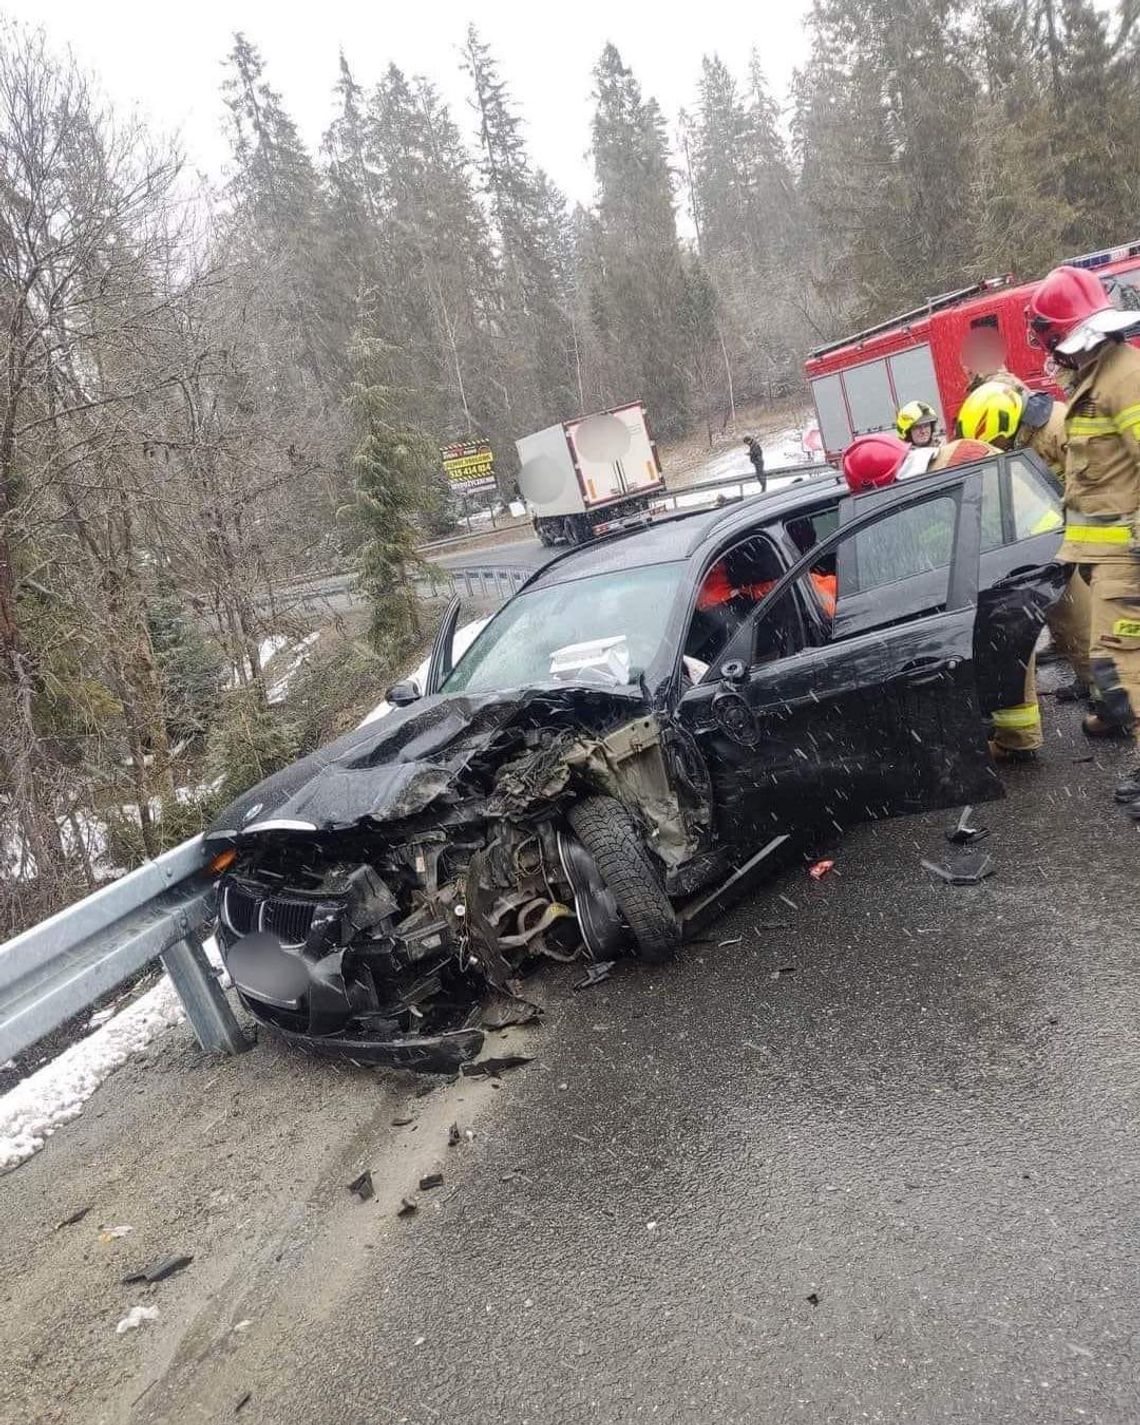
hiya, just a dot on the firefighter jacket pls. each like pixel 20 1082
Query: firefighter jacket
pixel 1050 440
pixel 1102 465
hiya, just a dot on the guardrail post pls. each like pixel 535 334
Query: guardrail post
pixel 203 998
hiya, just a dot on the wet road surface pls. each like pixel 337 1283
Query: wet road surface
pixel 869 1152
pixel 881 1164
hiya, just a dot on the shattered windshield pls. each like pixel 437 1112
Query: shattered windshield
pixel 605 630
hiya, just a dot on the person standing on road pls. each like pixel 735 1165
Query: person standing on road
pixel 1071 316
pixel 756 455
pixel 1014 418
pixel 873 461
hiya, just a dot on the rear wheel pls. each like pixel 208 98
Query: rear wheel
pixel 608 833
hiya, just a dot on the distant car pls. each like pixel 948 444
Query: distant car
pixel 626 741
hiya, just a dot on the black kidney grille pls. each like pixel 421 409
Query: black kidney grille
pixel 240 910
pixel 291 920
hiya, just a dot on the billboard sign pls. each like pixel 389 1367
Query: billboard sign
pixel 469 467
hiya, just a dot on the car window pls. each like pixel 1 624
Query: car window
pixel 806 531
pixel 605 630
pixel 734 585
pixel 992 533
pixel 916 540
pixel 1036 504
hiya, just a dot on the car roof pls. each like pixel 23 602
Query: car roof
pixel 679 536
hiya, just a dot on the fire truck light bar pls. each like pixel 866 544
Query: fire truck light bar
pixel 1106 256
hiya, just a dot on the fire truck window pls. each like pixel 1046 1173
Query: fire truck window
pixel 1124 289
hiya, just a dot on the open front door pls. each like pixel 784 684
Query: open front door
pixel 441 660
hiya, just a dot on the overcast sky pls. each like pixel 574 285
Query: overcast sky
pixel 167 57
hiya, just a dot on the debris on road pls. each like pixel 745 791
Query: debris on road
pixel 75 1217
pixel 503 1011
pixel 159 1271
pixel 494 1067
pixel 454 1136
pixel 362 1186
pixel 407 1207
pixel 599 971
pixel 112 1234
pixel 402 1121
pixel 813 1298
pixel 820 869
pixel 724 943
pixel 963 834
pixel 783 970
pixel 135 1318
pixel 432 1180
pixel 967 871
pixel 243 1402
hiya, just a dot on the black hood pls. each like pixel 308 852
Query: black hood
pixel 399 764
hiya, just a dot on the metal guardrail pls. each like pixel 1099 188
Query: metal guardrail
pixel 64 964
pixel 488 582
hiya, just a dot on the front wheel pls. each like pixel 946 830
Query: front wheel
pixel 608 833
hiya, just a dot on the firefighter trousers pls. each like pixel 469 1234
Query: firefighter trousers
pixel 1114 647
pixel 1018 729
pixel 1069 623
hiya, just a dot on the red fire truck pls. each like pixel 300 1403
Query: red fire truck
pixel 859 383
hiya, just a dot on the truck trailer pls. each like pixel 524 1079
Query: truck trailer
pixel 588 476
pixel 859 383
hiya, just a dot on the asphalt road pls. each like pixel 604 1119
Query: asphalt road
pixel 517 554
pixel 868 1153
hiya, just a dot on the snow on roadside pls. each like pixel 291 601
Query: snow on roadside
pixel 54 1095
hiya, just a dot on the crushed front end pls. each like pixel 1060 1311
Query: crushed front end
pixel 401 938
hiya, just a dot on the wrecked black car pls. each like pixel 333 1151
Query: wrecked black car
pixel 626 742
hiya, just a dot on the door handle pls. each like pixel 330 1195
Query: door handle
pixel 920 671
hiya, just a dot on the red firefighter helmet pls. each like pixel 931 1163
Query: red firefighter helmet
pixel 1064 301
pixel 873 460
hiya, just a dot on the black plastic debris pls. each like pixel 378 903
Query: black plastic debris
pixel 407 1207
pixel 432 1180
pixel 362 1186
pixel 160 1270
pixel 243 1402
pixel 402 1121
pixel 783 970
pixel 597 972
pixel 812 1298
pixel 966 871
pixel 454 1136
pixel 77 1216
pixel 502 1011
pixel 963 834
pixel 495 1066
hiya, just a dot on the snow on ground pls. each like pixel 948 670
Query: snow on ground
pixel 278 690
pixel 785 447
pixel 464 637
pixel 54 1095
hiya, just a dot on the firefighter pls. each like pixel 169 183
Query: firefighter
pixel 1071 316
pixel 1009 418
pixel 915 423
pixel 983 358
pixel 873 461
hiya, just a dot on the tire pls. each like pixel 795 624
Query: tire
pixel 608 833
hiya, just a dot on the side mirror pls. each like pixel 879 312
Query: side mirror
pixel 733 671
pixel 401 694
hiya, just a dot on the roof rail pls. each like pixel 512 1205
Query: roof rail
pixel 1093 260
pixel 933 304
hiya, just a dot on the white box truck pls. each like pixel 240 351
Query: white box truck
pixel 587 476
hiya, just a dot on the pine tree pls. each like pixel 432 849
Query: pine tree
pixel 636 286
pixel 528 215
pixel 395 465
